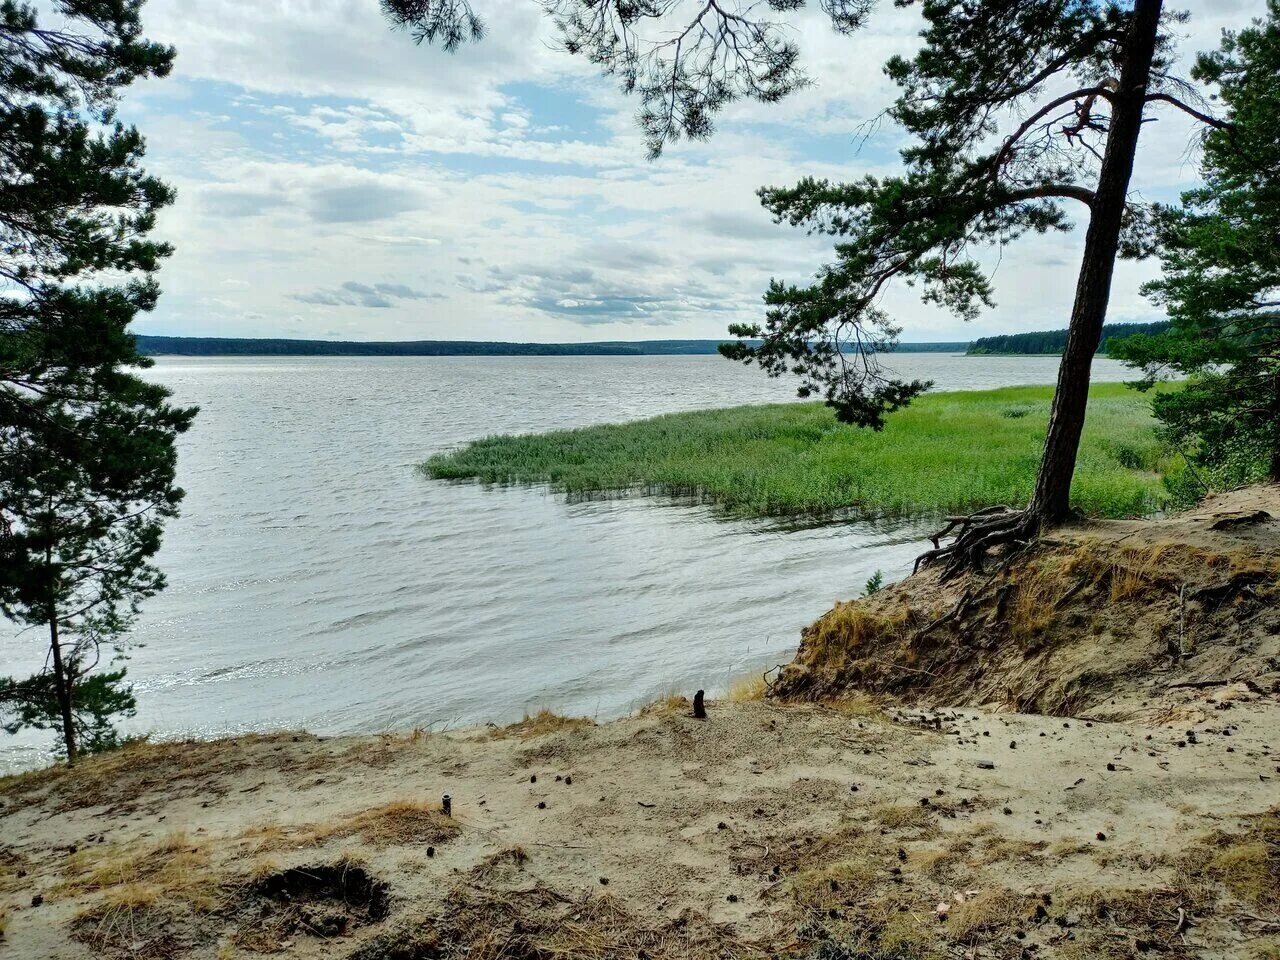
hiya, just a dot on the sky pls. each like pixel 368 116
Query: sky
pixel 335 181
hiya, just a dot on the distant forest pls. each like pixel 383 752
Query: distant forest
pixel 230 347
pixel 1053 341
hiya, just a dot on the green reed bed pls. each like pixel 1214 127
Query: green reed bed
pixel 946 452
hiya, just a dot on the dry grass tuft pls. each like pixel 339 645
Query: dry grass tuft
pixel 540 724
pixel 150 903
pixel 1067 847
pixel 792 854
pixel 902 816
pixel 847 627
pixel 858 905
pixel 397 823
pixel 934 862
pixel 540 922
pixel 1036 595
pixel 262 868
pixel 997 849
pixel 179 768
pixel 266 837
pixel 834 885
pixel 1248 864
pixel 131 922
pixel 978 918
pixel 747 689
pixel 496 865
pixel 1146 915
pixel 670 705
pixel 859 704
pixel 175 868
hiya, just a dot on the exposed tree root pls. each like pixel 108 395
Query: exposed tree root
pixel 976 596
pixel 976 535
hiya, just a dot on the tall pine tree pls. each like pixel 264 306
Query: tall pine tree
pixel 86 446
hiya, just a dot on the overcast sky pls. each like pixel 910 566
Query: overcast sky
pixel 337 182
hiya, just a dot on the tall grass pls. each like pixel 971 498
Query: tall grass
pixel 945 452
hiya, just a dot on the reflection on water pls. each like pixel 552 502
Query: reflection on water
pixel 316 579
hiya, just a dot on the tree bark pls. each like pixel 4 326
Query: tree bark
pixel 1051 502
pixel 62 685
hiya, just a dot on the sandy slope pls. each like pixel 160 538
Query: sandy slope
pixel 671 817
pixel 1110 619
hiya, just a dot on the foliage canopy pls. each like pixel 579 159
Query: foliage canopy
pixel 88 466
pixel 1221 280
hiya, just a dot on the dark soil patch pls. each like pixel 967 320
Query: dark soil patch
pixel 325 900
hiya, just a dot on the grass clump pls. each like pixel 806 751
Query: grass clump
pixel 174 867
pixel 748 689
pixel 393 824
pixel 1248 864
pixel 903 816
pixel 540 724
pixel 145 902
pixel 538 921
pixel 945 452
pixel 397 823
pixel 850 626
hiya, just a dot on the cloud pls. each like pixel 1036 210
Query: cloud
pixel 755 225
pixel 359 203
pixel 310 143
pixel 589 297
pixel 406 241
pixel 378 295
pixel 234 201
pixel 322 193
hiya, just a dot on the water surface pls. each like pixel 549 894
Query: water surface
pixel 317 580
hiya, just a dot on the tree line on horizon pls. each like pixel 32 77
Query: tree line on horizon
pixel 154 346
pixel 1055 341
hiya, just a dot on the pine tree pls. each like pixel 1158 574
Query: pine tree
pixel 1077 77
pixel 1221 281
pixel 87 466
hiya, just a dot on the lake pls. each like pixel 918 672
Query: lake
pixel 317 580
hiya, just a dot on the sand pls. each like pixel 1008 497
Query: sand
pixel 720 821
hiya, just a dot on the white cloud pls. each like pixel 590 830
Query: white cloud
pixel 314 149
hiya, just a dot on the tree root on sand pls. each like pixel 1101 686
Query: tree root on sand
pixel 976 535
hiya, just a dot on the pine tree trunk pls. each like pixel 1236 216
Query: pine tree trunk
pixel 62 686
pixel 1051 502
